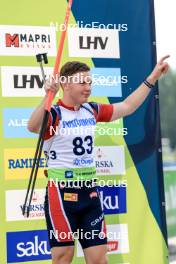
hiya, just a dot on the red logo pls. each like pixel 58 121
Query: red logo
pixel 12 40
pixel 112 246
pixel 99 153
pixel 93 194
pixel 34 197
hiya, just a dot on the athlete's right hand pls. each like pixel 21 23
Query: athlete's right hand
pixel 51 85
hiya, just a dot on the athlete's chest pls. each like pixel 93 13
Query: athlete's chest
pixel 82 121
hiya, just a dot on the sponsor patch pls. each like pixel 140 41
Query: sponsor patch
pixel 93 194
pixel 71 197
pixel 68 174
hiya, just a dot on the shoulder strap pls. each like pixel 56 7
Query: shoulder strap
pixel 88 108
pixel 56 111
pixel 91 107
pixel 94 106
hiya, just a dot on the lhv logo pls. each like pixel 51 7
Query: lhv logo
pixel 96 42
pixel 23 81
pixel 113 199
pixel 27 246
pixel 91 42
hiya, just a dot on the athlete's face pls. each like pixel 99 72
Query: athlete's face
pixel 79 87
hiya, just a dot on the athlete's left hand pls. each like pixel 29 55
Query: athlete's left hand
pixel 51 86
pixel 160 69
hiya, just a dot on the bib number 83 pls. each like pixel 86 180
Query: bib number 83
pixel 79 149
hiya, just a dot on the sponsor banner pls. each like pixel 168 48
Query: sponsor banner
pixel 14 204
pixel 106 82
pixel 110 160
pixel 27 81
pixel 27 246
pixel 18 163
pixel 15 123
pixel 95 43
pixel 27 40
pixel 118 242
pixel 23 81
pixel 113 199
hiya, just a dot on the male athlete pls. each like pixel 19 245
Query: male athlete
pixel 69 146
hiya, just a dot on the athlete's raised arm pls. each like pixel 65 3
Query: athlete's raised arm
pixel 134 100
